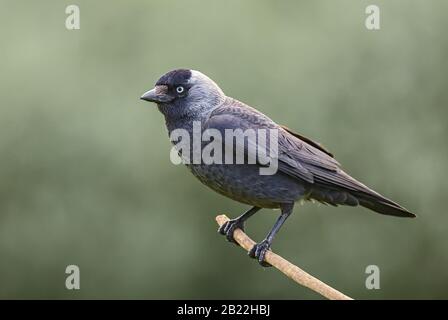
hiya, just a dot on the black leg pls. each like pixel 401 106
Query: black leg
pixel 258 251
pixel 229 227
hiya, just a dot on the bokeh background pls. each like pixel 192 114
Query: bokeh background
pixel 85 176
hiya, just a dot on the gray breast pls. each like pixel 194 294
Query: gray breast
pixel 243 183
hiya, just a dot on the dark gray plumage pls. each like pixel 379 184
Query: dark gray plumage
pixel 305 169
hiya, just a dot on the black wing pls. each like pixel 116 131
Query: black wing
pixel 305 159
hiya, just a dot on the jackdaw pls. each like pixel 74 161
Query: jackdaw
pixel 306 170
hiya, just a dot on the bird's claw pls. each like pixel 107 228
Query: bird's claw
pixel 229 227
pixel 258 252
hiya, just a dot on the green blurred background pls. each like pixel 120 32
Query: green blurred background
pixel 85 176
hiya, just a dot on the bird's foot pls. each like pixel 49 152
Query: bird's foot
pixel 228 228
pixel 258 252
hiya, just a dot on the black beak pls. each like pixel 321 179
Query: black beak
pixel 150 95
pixel 157 95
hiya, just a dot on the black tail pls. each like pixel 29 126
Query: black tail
pixel 380 204
pixel 340 188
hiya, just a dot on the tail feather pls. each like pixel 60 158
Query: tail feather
pixel 380 204
pixel 352 193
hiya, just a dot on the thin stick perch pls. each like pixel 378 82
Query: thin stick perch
pixel 286 267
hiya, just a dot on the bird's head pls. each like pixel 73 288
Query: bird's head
pixel 184 92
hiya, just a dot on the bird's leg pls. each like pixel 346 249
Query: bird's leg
pixel 229 227
pixel 258 251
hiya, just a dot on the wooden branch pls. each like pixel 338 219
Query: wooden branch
pixel 286 267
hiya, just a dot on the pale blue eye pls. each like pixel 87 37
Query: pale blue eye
pixel 180 89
